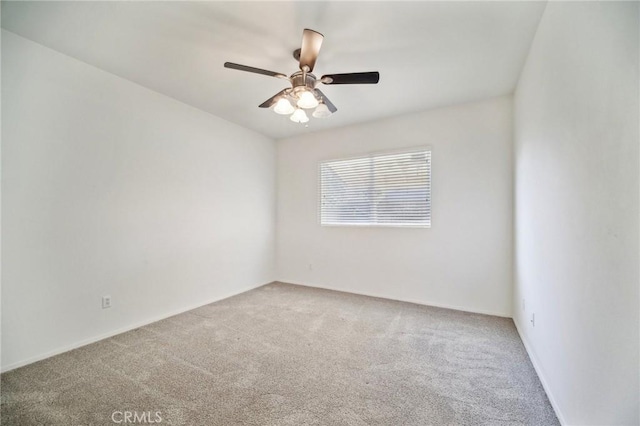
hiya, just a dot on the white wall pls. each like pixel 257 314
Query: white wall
pixel 576 164
pixel 110 188
pixel 464 261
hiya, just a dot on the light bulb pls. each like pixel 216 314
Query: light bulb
pixel 322 111
pixel 299 116
pixel 283 107
pixel 307 100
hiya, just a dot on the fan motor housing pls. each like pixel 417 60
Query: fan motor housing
pixel 303 81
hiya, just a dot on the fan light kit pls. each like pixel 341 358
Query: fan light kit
pixel 303 93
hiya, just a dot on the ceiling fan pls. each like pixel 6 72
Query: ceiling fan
pixel 303 92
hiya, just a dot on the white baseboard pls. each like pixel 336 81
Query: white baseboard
pixel 408 300
pixel 94 339
pixel 543 380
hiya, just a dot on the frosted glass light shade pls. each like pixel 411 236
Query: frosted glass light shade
pixel 321 111
pixel 283 106
pixel 307 100
pixel 299 116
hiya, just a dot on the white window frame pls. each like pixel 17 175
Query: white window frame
pixel 378 225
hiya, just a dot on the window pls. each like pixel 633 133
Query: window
pixel 377 190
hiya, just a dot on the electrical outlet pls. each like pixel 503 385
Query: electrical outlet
pixel 533 320
pixel 523 305
pixel 311 267
pixel 106 302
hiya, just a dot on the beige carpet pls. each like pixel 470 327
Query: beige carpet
pixel 290 355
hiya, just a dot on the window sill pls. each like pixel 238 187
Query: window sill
pixel 373 225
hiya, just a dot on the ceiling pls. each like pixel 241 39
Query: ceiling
pixel 429 54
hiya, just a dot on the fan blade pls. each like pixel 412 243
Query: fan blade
pixel 254 70
pixel 352 78
pixel 272 100
pixel 311 42
pixel 326 101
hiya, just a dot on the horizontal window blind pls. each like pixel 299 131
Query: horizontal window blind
pixel 379 189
